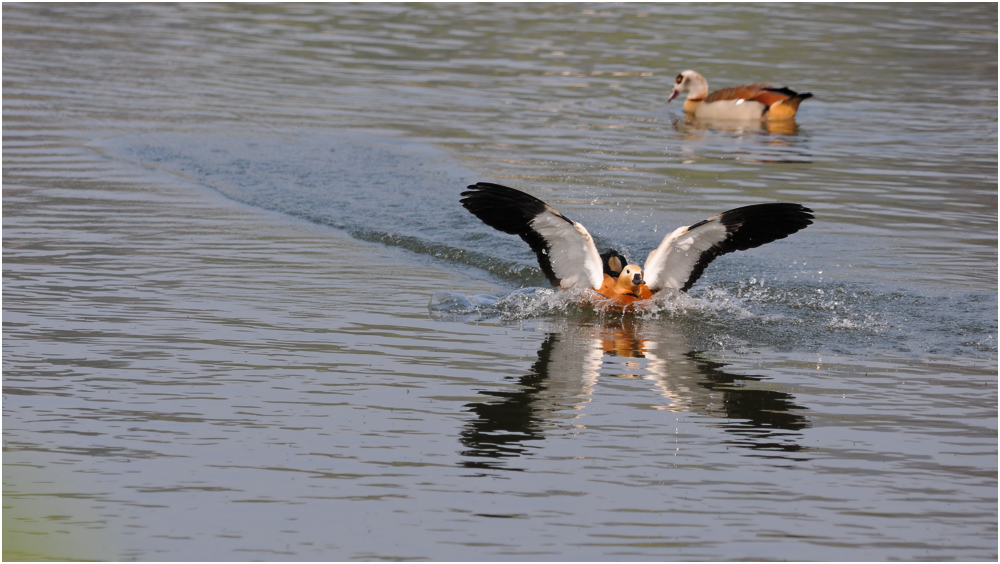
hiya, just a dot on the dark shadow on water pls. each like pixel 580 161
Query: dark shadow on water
pixel 561 382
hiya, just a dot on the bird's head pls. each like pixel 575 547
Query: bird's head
pixel 631 278
pixel 689 81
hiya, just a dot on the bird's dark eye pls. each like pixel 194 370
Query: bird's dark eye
pixel 680 78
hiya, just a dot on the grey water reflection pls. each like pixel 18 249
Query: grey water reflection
pixel 686 124
pixel 748 141
pixel 555 391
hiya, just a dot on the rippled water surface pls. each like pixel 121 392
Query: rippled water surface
pixel 225 227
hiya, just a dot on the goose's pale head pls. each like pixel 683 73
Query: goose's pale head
pixel 692 82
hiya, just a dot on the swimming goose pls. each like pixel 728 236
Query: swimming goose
pixel 749 101
pixel 569 259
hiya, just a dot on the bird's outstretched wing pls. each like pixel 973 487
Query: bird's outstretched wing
pixel 683 255
pixel 565 249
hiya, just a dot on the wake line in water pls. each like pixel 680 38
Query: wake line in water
pixel 399 195
pixel 508 270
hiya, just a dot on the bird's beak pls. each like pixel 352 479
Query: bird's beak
pixel 637 279
pixel 673 94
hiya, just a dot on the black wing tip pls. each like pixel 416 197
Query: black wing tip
pixel 492 189
pixel 480 191
pixel 789 92
pixel 498 204
pixel 777 211
pixel 782 90
pixel 503 207
pixel 497 194
pixel 750 227
pixel 759 224
pixel 511 211
pixel 482 187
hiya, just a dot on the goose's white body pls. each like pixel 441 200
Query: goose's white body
pixel 740 110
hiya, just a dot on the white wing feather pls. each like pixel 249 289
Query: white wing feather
pixel 572 254
pixel 670 264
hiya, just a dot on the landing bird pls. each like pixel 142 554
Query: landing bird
pixel 569 259
pixel 749 101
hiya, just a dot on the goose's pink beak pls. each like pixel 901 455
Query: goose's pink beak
pixel 673 94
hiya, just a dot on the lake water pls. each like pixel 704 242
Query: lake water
pixel 223 227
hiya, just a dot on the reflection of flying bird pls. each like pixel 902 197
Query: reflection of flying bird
pixel 569 259
pixel 554 394
pixel 749 101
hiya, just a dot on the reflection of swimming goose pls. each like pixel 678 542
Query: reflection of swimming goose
pixel 569 259
pixel 749 101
